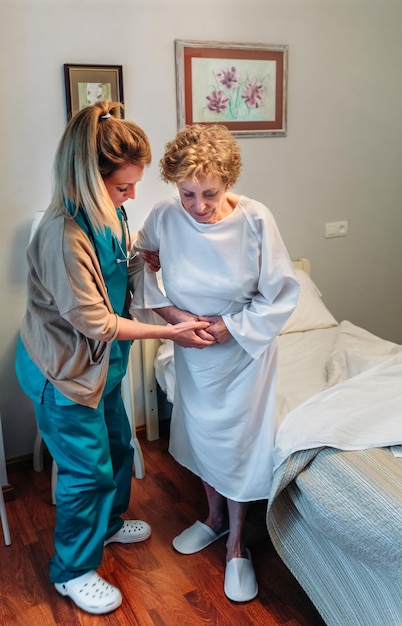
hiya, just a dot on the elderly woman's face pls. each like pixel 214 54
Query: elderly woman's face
pixel 204 199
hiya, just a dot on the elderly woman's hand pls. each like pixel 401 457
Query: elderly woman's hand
pixel 217 328
pixel 188 334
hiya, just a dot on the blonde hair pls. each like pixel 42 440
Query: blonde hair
pixel 199 150
pixel 96 143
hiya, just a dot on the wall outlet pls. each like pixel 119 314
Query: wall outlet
pixel 336 229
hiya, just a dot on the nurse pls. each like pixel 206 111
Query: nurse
pixel 75 340
pixel 222 260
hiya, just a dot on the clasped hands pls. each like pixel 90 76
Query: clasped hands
pixel 215 332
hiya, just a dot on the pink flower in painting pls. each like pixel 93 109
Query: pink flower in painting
pixel 253 95
pixel 229 78
pixel 217 101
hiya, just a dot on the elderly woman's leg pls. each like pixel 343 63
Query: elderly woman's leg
pixel 240 582
pixel 237 515
pixel 217 514
pixel 201 534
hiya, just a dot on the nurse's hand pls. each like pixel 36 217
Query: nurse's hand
pixel 151 258
pixel 174 315
pixel 187 334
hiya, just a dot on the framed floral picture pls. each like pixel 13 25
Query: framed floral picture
pixel 85 84
pixel 243 86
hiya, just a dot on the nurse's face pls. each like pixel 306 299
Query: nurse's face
pixel 204 199
pixel 122 183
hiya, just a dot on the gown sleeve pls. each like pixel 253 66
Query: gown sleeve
pixel 257 325
pixel 148 293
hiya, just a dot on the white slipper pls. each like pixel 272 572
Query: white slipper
pixel 132 531
pixel 196 538
pixel 91 593
pixel 240 581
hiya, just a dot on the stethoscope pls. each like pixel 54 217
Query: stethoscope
pixel 127 254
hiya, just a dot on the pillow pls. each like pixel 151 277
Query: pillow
pixel 310 312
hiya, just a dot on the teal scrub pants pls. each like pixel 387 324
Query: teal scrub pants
pixel 94 457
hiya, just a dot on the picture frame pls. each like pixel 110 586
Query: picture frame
pixel 85 84
pixel 240 85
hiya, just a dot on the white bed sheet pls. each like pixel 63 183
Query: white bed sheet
pixel 360 405
pixel 164 368
pixel 361 412
pixel 301 367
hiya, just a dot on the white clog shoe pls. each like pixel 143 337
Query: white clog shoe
pixel 91 593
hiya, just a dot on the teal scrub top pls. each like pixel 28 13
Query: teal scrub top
pixel 110 252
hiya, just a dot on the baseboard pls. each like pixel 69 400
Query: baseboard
pixel 20 464
pixel 8 493
pixel 141 432
pixel 13 466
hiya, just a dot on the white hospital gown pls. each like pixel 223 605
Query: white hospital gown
pixel 224 406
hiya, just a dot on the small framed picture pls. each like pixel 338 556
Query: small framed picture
pixel 243 86
pixel 85 84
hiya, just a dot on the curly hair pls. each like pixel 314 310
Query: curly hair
pixel 199 150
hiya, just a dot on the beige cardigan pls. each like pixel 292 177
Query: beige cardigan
pixel 69 322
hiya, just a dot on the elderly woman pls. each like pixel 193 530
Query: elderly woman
pixel 222 260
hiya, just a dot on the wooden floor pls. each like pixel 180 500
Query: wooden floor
pixel 160 587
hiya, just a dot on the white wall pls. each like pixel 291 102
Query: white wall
pixel 341 159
